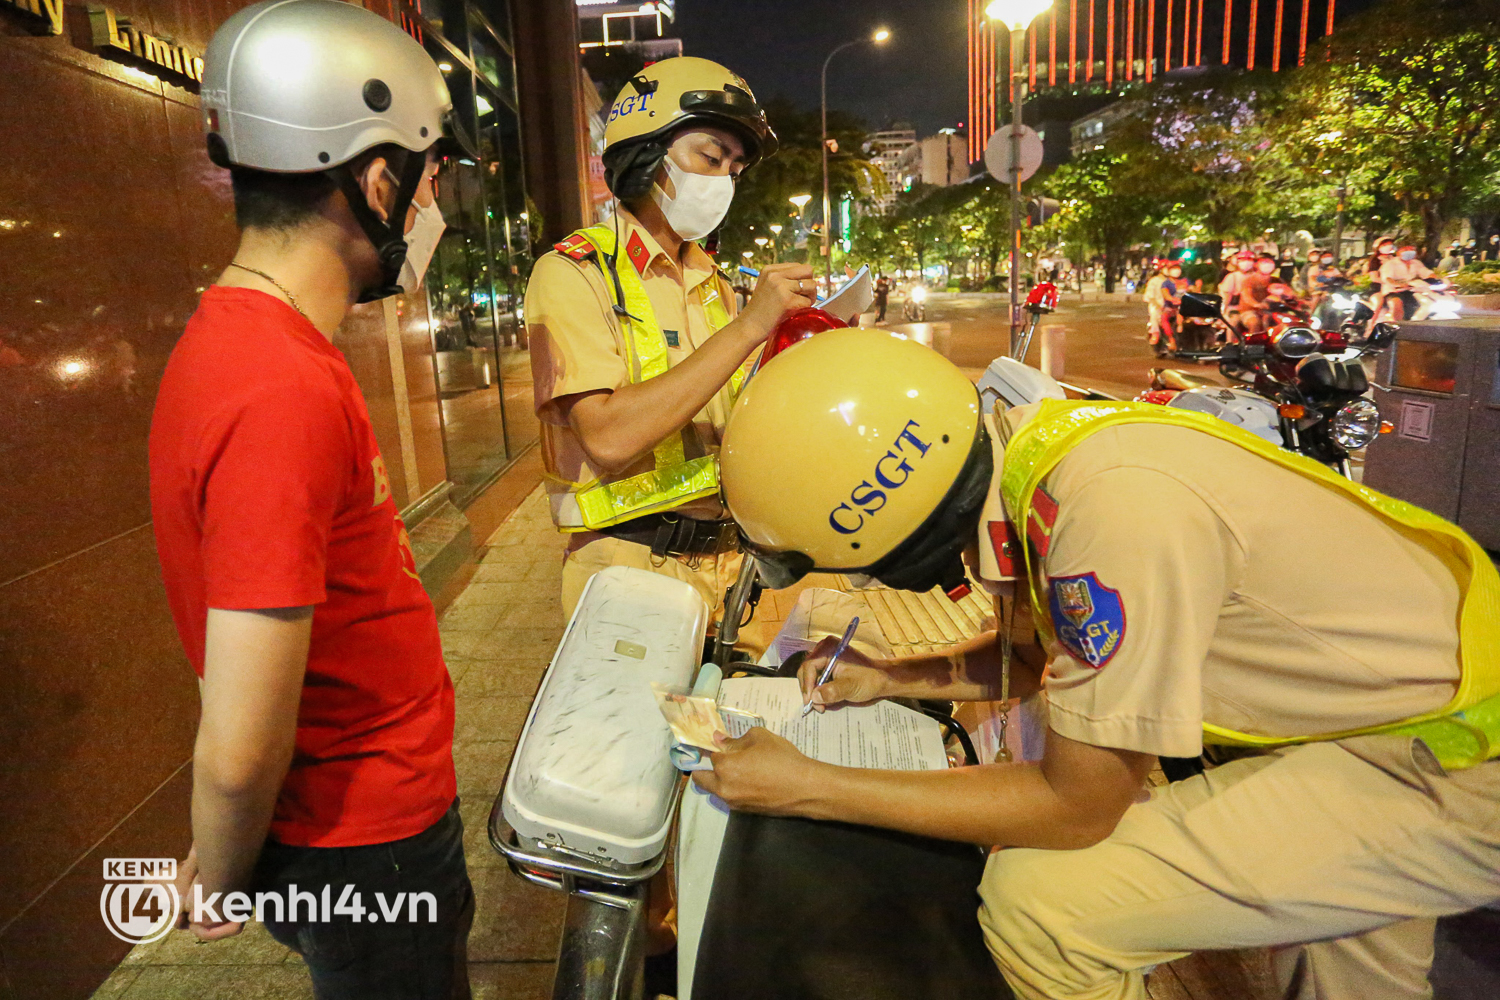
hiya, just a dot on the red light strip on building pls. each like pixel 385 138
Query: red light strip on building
pixel 1166 42
pixel 1187 23
pixel 1031 47
pixel 1276 35
pixel 1129 39
pixel 992 89
pixel 1073 40
pixel 973 122
pixel 1109 47
pixel 1198 42
pixel 1228 9
pixel 1302 41
pixel 1150 38
pixel 1088 71
pixel 1052 46
pixel 1250 50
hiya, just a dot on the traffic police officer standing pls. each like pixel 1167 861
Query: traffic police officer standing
pixel 1353 643
pixel 635 354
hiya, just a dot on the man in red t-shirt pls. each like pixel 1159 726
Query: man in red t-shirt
pixel 323 772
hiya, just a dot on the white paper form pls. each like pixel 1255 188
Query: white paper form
pixel 882 735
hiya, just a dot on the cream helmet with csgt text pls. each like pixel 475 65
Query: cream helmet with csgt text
pixel 858 451
pixel 666 98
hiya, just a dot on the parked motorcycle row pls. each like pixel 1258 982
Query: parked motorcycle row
pixel 1300 387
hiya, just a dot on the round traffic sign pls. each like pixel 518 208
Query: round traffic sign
pixel 997 153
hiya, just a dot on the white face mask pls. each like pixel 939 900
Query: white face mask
pixel 700 204
pixel 1409 255
pixel 421 243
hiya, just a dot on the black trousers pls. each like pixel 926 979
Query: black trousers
pixel 401 947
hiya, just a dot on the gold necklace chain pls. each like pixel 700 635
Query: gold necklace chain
pixel 292 299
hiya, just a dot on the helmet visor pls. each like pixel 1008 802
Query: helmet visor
pixel 736 108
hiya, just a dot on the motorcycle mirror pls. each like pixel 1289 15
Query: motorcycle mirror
pixel 1198 305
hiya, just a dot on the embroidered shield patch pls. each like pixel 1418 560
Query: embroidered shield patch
pixel 1088 618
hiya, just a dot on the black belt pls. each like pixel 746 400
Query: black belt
pixel 671 535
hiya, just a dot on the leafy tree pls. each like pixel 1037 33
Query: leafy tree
pixel 1408 93
pixel 1196 143
pixel 761 196
pixel 1102 208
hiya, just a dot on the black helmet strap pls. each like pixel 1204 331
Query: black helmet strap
pixel 932 555
pixel 388 235
pixel 630 168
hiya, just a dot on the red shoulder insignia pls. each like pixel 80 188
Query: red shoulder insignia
pixel 575 246
pixel 636 252
pixel 1039 524
pixel 1007 547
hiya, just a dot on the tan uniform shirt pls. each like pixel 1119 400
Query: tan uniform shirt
pixel 1192 581
pixel 1397 275
pixel 577 345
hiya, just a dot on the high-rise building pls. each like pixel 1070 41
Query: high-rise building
pixel 939 160
pixel 885 148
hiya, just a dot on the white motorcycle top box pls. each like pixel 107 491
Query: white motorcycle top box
pixel 591 773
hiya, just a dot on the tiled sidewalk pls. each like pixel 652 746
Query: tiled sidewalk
pixel 499 636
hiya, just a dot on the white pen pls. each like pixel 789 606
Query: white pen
pixel 833 661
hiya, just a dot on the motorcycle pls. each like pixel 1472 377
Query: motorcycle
pixel 1436 301
pixel 1319 401
pixel 1341 308
pixel 1042 300
pixel 915 309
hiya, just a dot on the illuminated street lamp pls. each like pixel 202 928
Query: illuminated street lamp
pixel 1017 16
pixel 879 37
pixel 775 228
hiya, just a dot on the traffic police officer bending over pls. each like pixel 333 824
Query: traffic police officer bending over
pixel 1353 642
pixel 635 354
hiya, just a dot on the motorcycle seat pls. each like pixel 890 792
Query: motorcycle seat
pixel 1176 378
pixel 804 910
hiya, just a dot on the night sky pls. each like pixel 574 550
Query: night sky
pixel 779 46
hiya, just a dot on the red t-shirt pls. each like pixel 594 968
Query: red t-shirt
pixel 268 491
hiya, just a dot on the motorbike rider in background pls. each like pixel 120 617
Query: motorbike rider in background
pixel 1255 295
pixel 1230 286
pixel 1453 261
pixel 1385 250
pixel 1287 266
pixel 1164 295
pixel 1322 275
pixel 1399 275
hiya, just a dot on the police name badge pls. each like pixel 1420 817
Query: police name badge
pixel 1088 618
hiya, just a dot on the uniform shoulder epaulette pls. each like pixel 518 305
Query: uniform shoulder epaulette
pixel 575 246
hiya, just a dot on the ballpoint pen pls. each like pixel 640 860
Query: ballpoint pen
pixel 833 661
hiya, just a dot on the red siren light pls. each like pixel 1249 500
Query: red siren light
pixel 796 328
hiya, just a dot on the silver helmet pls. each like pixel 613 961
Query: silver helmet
pixel 298 86
pixel 305 86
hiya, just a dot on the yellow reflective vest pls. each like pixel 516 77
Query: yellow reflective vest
pixel 675 479
pixel 1462 733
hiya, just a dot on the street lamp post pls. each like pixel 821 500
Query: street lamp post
pixel 800 200
pixel 879 36
pixel 1016 15
pixel 775 242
